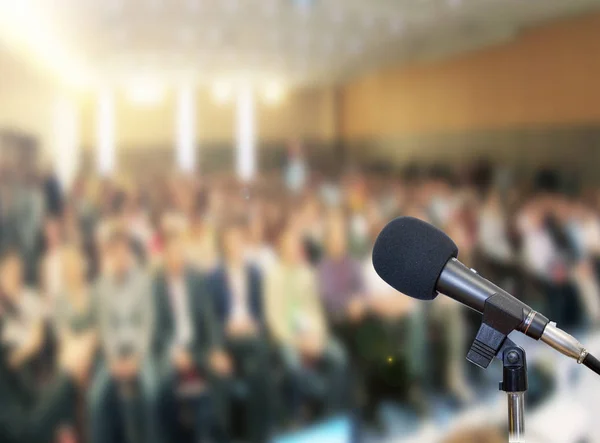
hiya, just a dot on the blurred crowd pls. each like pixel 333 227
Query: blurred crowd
pixel 213 309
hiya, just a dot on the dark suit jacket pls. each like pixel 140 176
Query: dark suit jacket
pixel 223 298
pixel 26 417
pixel 206 334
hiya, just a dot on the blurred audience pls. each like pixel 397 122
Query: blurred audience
pixel 236 311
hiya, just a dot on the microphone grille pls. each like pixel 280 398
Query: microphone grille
pixel 410 254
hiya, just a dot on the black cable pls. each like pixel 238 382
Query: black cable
pixel 592 362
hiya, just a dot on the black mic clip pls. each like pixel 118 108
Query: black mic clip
pixel 501 316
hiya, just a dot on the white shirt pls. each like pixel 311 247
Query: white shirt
pixel 238 284
pixel 178 295
pixel 493 238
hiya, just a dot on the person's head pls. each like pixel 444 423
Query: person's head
pixel 119 253
pixel 74 267
pixel 291 248
pixel 336 237
pixel 52 232
pixel 174 252
pixel 256 229
pixel 233 241
pixel 11 274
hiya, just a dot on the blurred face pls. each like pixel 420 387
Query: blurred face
pixel 52 232
pixel 291 248
pixel 73 264
pixel 11 276
pixel 336 241
pixel 175 255
pixel 120 257
pixel 234 244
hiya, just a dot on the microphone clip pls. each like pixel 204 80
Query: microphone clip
pixel 501 316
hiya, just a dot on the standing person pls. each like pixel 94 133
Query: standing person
pixel 238 294
pixel 125 321
pixel 316 364
pixel 296 169
pixel 185 340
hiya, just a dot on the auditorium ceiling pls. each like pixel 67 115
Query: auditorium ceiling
pixel 293 41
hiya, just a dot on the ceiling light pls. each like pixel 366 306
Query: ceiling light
pixel 222 92
pixel 33 33
pixel 145 92
pixel 273 93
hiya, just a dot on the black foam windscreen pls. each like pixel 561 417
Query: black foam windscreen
pixel 410 255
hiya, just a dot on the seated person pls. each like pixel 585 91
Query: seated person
pixel 73 314
pixel 340 278
pixel 185 334
pixel 295 318
pixel 28 416
pixel 237 290
pixel 122 298
pixel 23 323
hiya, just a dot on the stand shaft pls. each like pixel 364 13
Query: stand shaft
pixel 516 419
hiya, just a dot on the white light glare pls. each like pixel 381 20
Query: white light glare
pixel 185 119
pixel 105 133
pixel 246 135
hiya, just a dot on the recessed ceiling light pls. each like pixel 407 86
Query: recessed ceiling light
pixel 145 92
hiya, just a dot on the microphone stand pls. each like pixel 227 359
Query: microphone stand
pixel 501 316
pixel 514 383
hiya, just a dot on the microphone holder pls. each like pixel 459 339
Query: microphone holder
pixel 501 316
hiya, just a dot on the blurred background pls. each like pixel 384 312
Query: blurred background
pixel 195 187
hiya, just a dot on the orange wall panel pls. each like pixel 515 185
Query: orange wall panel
pixel 547 76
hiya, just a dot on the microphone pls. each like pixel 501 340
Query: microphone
pixel 419 260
